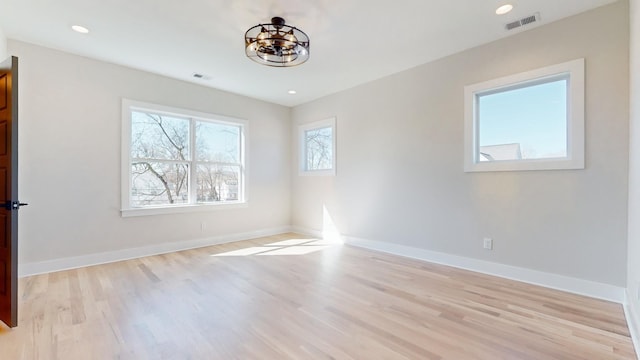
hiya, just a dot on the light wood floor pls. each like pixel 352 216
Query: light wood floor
pixel 278 298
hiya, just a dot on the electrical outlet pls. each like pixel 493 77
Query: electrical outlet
pixel 488 243
pixel 203 226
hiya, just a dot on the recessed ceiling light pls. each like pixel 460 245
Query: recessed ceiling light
pixel 80 29
pixel 504 9
pixel 292 92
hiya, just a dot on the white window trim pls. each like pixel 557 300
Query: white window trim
pixel 125 162
pixel 575 120
pixel 302 128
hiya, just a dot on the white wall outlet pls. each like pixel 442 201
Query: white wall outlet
pixel 488 243
pixel 203 225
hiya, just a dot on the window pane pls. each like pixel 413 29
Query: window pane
pixel 525 123
pixel 319 148
pixel 159 183
pixel 156 136
pixel 217 142
pixel 218 182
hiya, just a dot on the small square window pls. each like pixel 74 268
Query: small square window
pixel 528 121
pixel 317 148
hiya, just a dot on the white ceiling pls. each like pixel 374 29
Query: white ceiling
pixel 352 41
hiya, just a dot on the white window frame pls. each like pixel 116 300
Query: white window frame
pixel 302 151
pixel 127 209
pixel 575 118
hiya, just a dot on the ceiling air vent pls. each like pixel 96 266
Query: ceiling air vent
pixel 201 76
pixel 522 22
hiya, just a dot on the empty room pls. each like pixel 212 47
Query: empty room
pixel 289 179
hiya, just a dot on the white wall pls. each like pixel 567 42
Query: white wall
pixel 3 45
pixel 400 176
pixel 633 267
pixel 70 126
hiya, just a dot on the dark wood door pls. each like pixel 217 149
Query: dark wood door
pixel 9 192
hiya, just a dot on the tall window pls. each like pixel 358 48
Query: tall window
pixel 317 144
pixel 175 157
pixel 527 121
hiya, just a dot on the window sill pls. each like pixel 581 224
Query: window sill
pixel 181 209
pixel 526 165
pixel 330 172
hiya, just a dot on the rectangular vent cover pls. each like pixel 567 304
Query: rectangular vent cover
pixel 522 22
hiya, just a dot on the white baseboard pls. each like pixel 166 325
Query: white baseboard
pixel 306 231
pixel 41 267
pixel 632 314
pixel 554 281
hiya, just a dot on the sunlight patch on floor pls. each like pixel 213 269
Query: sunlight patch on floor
pixel 285 247
pixel 294 250
pixel 246 252
pixel 291 242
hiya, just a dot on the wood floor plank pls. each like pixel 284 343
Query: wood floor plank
pixel 291 297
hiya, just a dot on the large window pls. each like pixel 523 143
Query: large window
pixel 175 159
pixel 528 121
pixel 317 142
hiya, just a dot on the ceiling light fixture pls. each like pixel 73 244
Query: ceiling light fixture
pixel 504 9
pixel 80 29
pixel 276 44
pixel 292 92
